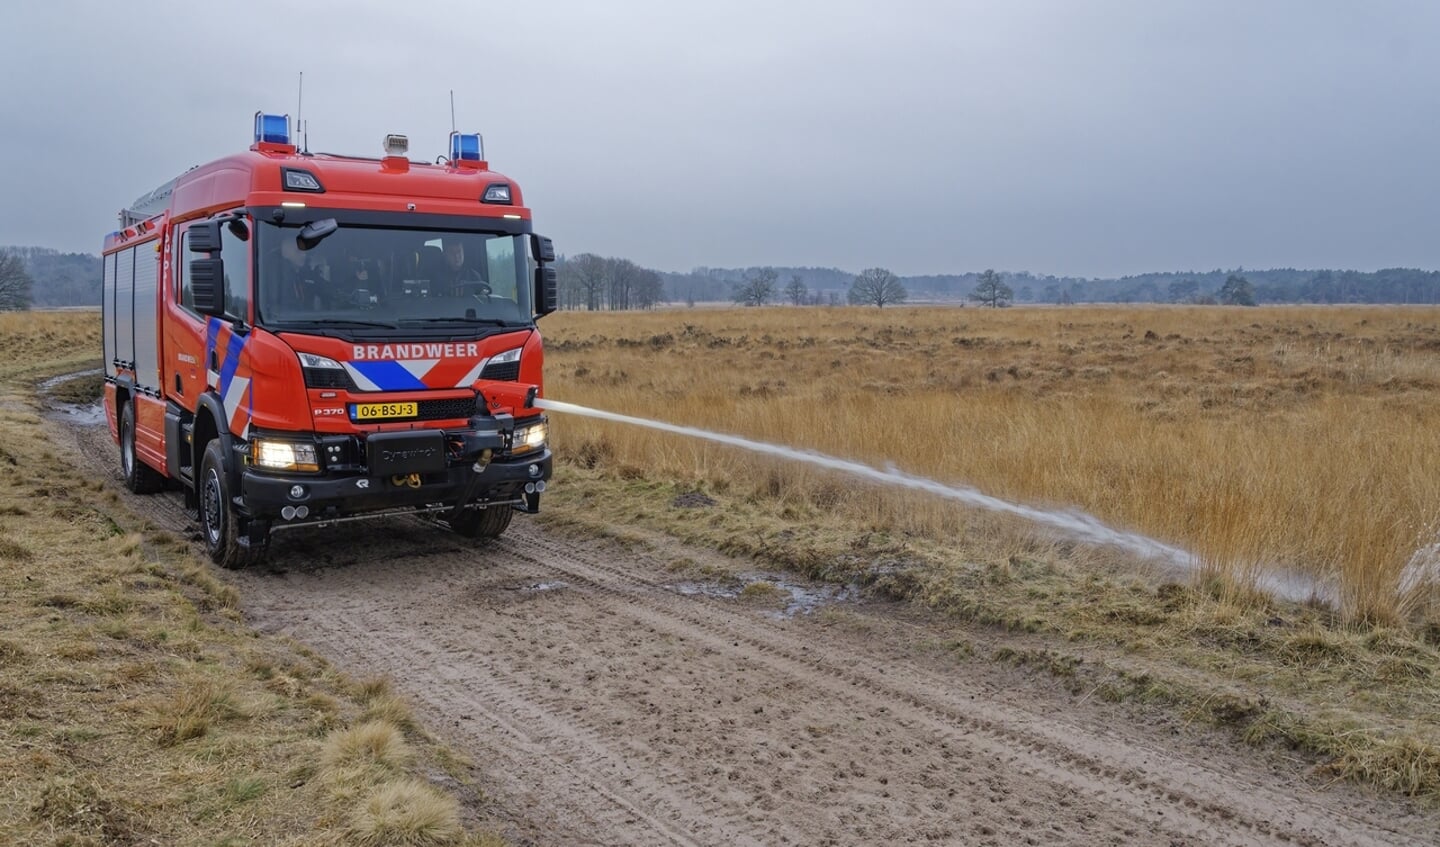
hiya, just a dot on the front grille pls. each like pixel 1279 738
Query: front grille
pixel 509 371
pixel 439 410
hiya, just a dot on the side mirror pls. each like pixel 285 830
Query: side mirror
pixel 207 275
pixel 204 237
pixel 547 290
pixel 207 285
pixel 315 232
pixel 542 248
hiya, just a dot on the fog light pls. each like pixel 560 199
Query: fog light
pixel 529 488
pixel 534 470
pixel 297 491
pixel 302 511
pixel 540 487
pixel 288 513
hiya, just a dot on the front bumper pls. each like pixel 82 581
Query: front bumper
pixel 327 497
pixel 428 469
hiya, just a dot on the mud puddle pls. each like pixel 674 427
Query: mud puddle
pixel 798 598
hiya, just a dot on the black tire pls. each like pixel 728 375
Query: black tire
pixel 139 477
pixel 483 524
pixel 219 525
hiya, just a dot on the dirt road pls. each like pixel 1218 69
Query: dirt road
pixel 606 702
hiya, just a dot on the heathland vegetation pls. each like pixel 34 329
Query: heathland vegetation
pixel 135 705
pixel 1275 440
pixel 1295 442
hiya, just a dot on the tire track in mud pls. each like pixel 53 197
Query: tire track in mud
pixel 1152 790
pixel 533 733
pixel 604 707
pixel 1051 752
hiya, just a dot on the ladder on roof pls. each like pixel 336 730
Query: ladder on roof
pixel 147 206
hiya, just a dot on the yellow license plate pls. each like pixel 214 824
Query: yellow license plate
pixel 383 411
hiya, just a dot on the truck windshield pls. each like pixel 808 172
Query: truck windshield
pixel 373 276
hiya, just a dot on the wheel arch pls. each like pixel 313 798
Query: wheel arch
pixel 209 413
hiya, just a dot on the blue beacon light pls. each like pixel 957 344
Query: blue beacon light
pixel 272 129
pixel 466 147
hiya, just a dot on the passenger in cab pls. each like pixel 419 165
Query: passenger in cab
pixel 302 285
pixel 457 277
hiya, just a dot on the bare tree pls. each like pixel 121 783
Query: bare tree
pixel 623 275
pixel 876 287
pixel 992 290
pixel 757 290
pixel 649 289
pixel 15 283
pixel 589 279
pixel 796 291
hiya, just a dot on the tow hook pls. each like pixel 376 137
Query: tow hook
pixel 399 479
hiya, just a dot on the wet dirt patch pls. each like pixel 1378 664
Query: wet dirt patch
pixel 75 397
pixel 789 598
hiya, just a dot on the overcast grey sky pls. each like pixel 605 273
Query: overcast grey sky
pixel 1058 136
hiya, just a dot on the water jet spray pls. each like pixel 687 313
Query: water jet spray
pixel 1071 524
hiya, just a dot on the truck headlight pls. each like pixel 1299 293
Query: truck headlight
pixel 277 455
pixel 528 438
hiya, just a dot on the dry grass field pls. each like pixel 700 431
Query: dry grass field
pixel 1262 440
pixel 1257 438
pixel 135 706
pixel 1290 440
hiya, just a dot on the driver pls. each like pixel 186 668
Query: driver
pixel 457 278
pixel 302 285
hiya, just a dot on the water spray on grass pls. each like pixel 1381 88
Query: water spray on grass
pixel 1067 523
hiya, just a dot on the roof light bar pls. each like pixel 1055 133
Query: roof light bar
pixel 467 147
pixel 272 129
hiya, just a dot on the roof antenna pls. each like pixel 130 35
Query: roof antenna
pixel 299 112
pixel 452 110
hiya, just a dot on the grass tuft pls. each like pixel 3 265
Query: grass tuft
pixel 1407 765
pixel 245 789
pixel 362 754
pixel 191 710
pixel 406 813
pixel 391 709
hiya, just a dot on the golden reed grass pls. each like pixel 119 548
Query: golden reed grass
pixel 1290 438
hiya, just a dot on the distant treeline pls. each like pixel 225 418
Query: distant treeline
pixel 1280 285
pixel 599 283
pixel 60 279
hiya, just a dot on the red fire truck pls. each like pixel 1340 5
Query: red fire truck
pixel 296 339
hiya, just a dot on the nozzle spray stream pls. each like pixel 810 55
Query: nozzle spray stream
pixel 1074 525
pixel 1071 524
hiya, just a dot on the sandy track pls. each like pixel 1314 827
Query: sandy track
pixel 604 707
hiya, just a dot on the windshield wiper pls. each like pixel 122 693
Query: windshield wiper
pixel 461 319
pixel 338 322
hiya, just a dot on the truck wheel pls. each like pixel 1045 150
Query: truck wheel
pixel 219 527
pixel 483 523
pixel 139 477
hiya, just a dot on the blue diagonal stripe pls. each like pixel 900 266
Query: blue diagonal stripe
pixel 389 376
pixel 232 361
pixel 212 335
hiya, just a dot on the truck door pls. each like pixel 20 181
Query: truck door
pixel 185 364
pixel 190 349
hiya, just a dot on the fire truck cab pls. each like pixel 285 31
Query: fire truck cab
pixel 297 339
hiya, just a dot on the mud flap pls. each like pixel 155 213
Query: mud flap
pixel 255 536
